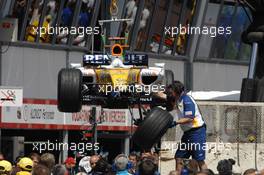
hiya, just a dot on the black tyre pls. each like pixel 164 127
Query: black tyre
pixel 152 128
pixel 70 90
pixel 169 77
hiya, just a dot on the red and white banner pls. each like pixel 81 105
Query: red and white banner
pixel 43 114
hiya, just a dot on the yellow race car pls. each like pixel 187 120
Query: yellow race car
pixel 112 81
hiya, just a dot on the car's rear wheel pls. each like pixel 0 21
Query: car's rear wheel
pixel 152 128
pixel 70 90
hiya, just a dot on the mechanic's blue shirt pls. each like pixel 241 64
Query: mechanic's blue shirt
pixel 189 109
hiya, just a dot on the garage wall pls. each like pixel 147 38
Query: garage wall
pixel 218 77
pixel 36 71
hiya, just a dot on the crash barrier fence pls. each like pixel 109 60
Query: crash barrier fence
pixel 234 130
pixel 230 122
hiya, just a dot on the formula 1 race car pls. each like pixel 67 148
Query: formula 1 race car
pixel 111 81
pixel 119 80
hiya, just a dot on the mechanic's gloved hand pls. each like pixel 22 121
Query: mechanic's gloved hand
pixel 173 124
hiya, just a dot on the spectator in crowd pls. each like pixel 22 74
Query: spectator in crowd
pixel 205 172
pixel 59 170
pixel 18 12
pixel 147 167
pixel 250 171
pixel 225 167
pixel 122 165
pixel 5 167
pixel 84 164
pixel 93 160
pixel 40 170
pixel 35 157
pixel 81 173
pixel 133 158
pixel 66 21
pixel 84 20
pixel 34 16
pixel 26 165
pixel 101 167
pixel 151 156
pixel 67 14
pixel 70 164
pixel 16 168
pixel 53 7
pixel 47 160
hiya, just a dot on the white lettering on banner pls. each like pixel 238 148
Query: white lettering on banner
pixel 82 116
pixel 114 116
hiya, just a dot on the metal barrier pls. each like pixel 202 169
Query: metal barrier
pixel 234 130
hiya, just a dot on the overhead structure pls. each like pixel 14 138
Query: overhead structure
pixel 253 86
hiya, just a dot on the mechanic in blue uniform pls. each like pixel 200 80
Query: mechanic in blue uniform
pixel 193 141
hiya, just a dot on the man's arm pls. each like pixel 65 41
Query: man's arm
pixel 184 120
pixel 160 95
pixel 181 121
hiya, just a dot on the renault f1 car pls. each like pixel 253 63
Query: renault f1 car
pixel 111 81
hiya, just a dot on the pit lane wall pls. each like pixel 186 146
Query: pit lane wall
pixel 234 130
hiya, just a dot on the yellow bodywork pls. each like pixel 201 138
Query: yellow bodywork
pixel 117 76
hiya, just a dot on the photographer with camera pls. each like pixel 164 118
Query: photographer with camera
pixel 190 119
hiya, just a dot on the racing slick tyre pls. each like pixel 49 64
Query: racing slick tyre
pixel 152 128
pixel 169 77
pixel 70 90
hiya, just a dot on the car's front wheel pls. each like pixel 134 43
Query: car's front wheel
pixel 70 90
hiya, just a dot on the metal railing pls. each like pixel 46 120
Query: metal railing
pixel 39 13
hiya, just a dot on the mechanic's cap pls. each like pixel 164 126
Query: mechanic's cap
pixel 5 166
pixel 117 50
pixel 25 163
